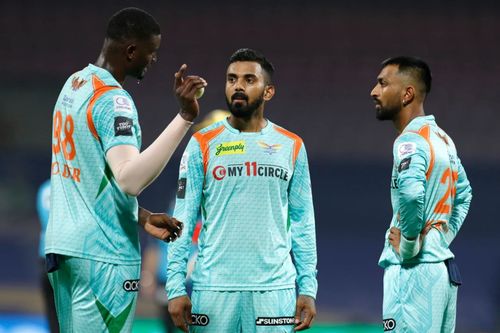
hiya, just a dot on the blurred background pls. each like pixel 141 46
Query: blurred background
pixel 327 56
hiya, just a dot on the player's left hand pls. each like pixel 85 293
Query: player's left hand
pixel 395 238
pixel 163 227
pixel 305 312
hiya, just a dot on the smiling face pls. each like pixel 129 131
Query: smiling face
pixel 246 88
pixel 388 93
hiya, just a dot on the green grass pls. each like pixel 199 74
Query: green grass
pixel 155 326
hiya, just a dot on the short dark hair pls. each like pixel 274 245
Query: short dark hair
pixel 413 66
pixel 254 56
pixel 131 23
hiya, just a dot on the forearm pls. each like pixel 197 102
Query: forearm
pixel 138 171
pixel 305 256
pixel 143 216
pixel 411 209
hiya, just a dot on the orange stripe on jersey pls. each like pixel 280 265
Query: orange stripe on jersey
pixel 204 139
pixel 297 141
pixel 425 132
pixel 99 89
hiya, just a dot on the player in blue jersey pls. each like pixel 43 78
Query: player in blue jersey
pixel 430 197
pixel 92 244
pixel 250 180
pixel 42 207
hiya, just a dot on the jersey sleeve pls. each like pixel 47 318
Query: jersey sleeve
pixel 187 207
pixel 301 216
pixel 461 204
pixel 116 120
pixel 411 158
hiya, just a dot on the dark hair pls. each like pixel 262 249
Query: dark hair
pixel 132 23
pixel 413 66
pixel 254 56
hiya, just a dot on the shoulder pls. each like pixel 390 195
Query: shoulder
pixel 208 133
pixel 289 134
pixel 410 143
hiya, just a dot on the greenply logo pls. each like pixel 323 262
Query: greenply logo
pixel 230 148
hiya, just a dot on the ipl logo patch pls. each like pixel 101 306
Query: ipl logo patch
pixel 406 148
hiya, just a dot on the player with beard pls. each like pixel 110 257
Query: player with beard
pixel 430 196
pixel 250 179
pixel 92 243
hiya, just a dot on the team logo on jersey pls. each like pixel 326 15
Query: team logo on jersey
pixel 443 137
pixel 405 164
pixel 123 126
pixel 131 285
pixel 122 104
pixel 77 83
pixel 274 321
pixel 406 148
pixel 230 148
pixel 269 149
pixel 389 324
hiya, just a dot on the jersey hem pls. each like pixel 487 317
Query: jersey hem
pixel 77 254
pixel 243 288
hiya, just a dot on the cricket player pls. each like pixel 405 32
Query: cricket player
pixel 92 244
pixel 250 179
pixel 430 197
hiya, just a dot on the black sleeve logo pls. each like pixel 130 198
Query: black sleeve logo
pixel 123 126
pixel 181 188
pixel 405 164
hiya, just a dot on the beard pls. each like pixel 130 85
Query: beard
pixel 244 110
pixel 386 113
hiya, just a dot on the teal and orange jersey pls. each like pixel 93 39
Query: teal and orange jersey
pixel 429 191
pixel 90 216
pixel 254 193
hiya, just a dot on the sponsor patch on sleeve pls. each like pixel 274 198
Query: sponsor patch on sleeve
pixel 122 104
pixel 123 126
pixel 181 188
pixel 405 164
pixel 184 162
pixel 406 148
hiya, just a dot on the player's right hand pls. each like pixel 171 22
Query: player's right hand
pixel 185 88
pixel 180 311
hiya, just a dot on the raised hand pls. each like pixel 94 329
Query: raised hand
pixel 185 88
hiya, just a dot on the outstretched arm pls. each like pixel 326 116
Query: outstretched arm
pixel 133 170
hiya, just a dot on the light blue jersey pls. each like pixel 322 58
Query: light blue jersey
pixel 429 189
pixel 42 208
pixel 254 192
pixel 90 216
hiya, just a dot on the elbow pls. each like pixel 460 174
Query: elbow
pixel 128 188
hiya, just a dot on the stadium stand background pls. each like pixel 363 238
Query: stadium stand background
pixel 327 56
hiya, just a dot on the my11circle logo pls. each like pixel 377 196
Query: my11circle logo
pixel 250 169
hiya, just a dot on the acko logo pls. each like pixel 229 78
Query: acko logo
pixel 200 319
pixel 219 172
pixel 131 285
pixel 389 324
